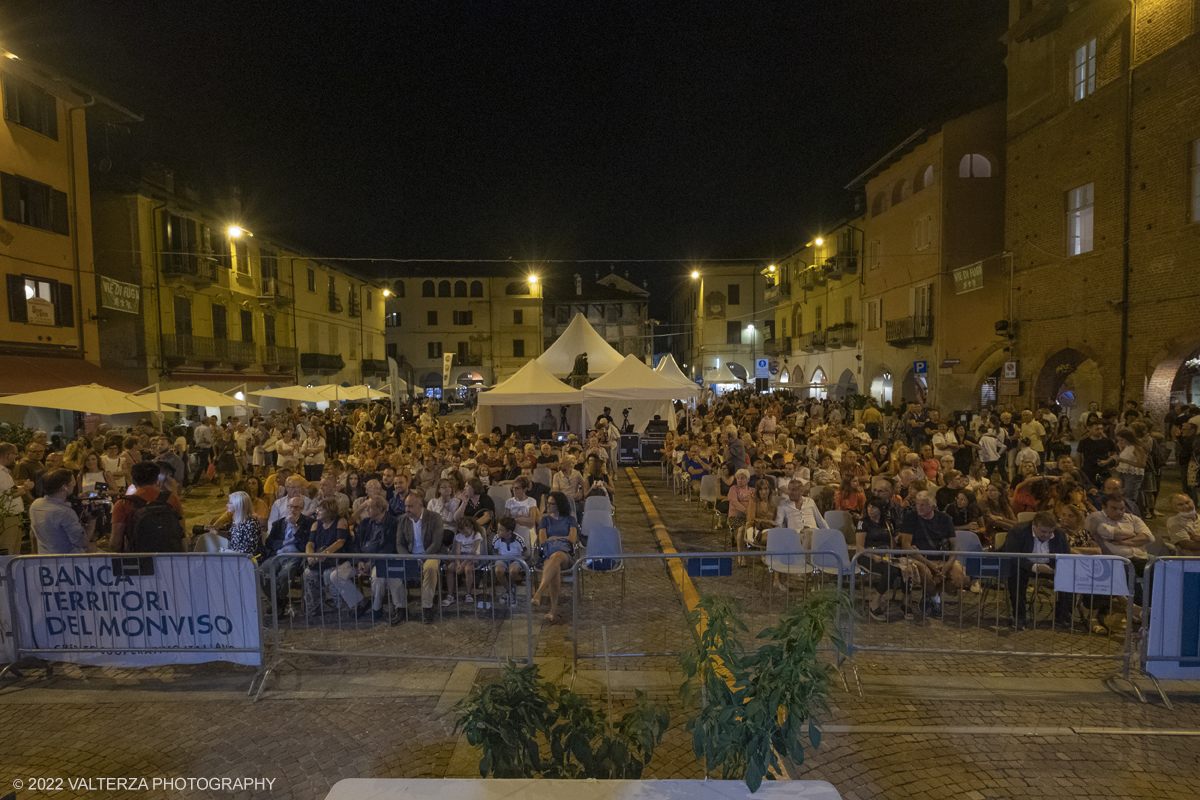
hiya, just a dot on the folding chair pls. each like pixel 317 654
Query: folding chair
pixel 710 487
pixel 985 570
pixel 210 543
pixel 832 541
pixel 785 541
pixel 841 521
pixel 604 554
pixel 597 503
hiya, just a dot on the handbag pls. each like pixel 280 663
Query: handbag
pixel 211 472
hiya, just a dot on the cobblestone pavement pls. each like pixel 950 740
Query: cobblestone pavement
pixel 926 726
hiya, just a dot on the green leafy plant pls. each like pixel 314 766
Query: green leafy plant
pixel 16 433
pixel 513 720
pixel 755 706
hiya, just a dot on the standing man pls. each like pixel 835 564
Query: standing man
pixel 166 454
pixel 28 470
pixel 1033 430
pixel 420 533
pixel 55 525
pixel 1096 453
pixel 10 524
pixel 202 439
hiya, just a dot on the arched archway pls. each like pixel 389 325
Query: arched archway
pixel 1174 377
pixel 881 384
pixel 914 388
pixel 846 385
pixel 818 382
pixel 1069 379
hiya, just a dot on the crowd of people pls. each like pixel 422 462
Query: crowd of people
pixel 908 478
pixel 315 484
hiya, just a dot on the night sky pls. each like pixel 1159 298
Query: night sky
pixel 488 130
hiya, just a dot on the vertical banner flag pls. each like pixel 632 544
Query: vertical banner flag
pixel 447 360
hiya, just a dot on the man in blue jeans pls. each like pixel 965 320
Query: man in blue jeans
pixel 288 534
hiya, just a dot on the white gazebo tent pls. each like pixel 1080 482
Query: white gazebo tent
pixel 635 386
pixel 524 398
pixel 580 337
pixel 722 379
pixel 669 369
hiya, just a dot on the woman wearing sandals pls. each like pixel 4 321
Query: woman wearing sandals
pixel 557 533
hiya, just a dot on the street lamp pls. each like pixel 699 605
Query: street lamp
pixel 235 231
pixel 533 279
pixel 699 359
pixel 387 292
pixel 818 241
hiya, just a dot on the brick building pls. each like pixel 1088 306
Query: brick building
pixel 1103 199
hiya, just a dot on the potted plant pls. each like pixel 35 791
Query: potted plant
pixel 758 708
pixel 527 728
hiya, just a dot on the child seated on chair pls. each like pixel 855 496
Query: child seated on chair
pixel 468 541
pixel 511 549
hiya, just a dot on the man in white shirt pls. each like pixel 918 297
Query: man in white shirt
pixel 1119 532
pixel 1183 529
pixel 10 526
pixel 294 487
pixel 798 511
pixel 202 439
pixel 1032 430
pixel 944 442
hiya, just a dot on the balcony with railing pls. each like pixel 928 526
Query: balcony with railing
pixel 273 290
pixel 375 366
pixel 841 265
pixel 276 358
pixel 844 334
pixel 191 268
pixel 907 330
pixel 335 303
pixel 774 293
pixel 355 305
pixel 185 348
pixel 812 342
pixel 321 363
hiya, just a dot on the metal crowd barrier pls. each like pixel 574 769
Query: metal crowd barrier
pixel 629 606
pixel 135 609
pixel 312 615
pixel 1171 640
pixel 985 623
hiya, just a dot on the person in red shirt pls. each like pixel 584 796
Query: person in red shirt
pixel 145 479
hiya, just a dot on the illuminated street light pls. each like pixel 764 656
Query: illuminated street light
pixel 533 278
pixel 387 292
pixel 819 241
pixel 239 396
pixel 235 231
pixel 695 273
pixel 771 268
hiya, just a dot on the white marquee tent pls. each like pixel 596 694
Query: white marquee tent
pixel 669 369
pixel 580 337
pixel 524 398
pixel 722 378
pixel 635 386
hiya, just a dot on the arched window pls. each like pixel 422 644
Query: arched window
pixel 517 287
pixel 460 288
pixel 879 204
pixel 783 376
pixel 901 191
pixel 924 179
pixel 398 289
pixel 476 288
pixel 427 289
pixel 443 288
pixel 974 165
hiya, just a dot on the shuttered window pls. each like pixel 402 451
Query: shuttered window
pixel 35 204
pixel 29 105
pixel 23 288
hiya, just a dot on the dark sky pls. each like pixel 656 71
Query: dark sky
pixel 528 130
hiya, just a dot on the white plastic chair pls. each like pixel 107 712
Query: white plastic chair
pixel 597 503
pixel 211 543
pixel 604 554
pixel 829 540
pixel 710 487
pixel 595 519
pixel 787 542
pixel 500 496
pixel 542 475
pixel 1026 516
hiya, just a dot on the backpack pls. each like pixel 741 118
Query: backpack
pixel 153 527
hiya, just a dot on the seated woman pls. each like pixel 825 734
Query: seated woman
pixel 850 497
pixel 1094 606
pixel 760 515
pixel 998 514
pixel 738 500
pixel 557 534
pixel 874 533
pixel 726 480
pixel 929 465
pixel 594 474
pixel 964 512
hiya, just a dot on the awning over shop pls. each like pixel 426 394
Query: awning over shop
pixel 22 374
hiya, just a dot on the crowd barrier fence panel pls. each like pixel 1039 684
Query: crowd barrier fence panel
pixel 1171 644
pixel 984 623
pixel 651 620
pixel 319 622
pixel 135 609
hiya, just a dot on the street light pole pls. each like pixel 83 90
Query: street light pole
pixel 698 360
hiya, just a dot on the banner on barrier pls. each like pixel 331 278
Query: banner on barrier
pixel 1090 575
pixel 1173 634
pixel 137 611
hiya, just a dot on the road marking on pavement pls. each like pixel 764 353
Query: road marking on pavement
pixel 686 588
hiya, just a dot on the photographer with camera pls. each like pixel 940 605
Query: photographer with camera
pixel 56 527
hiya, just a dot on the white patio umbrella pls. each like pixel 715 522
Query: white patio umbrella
pixel 302 394
pixel 88 399
pixel 201 396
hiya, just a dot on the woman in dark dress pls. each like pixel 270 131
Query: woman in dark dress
pixel 873 533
